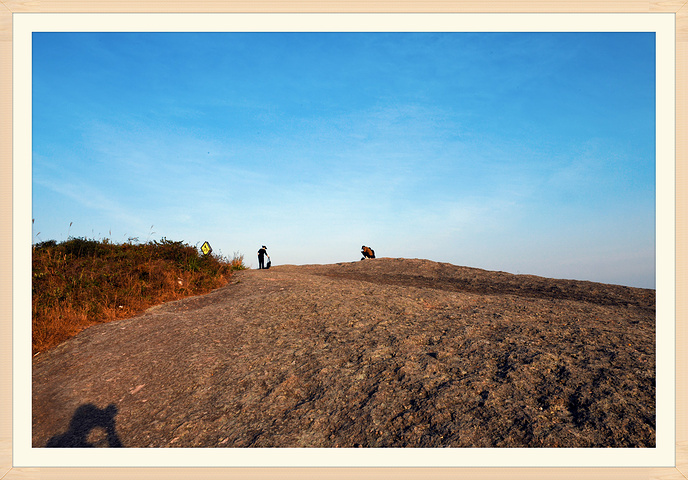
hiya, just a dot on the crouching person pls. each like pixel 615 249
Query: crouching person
pixel 367 252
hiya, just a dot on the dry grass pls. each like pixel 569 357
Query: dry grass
pixel 384 353
pixel 81 282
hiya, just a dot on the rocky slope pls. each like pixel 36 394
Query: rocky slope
pixel 378 353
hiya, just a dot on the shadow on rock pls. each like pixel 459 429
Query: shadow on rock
pixel 86 419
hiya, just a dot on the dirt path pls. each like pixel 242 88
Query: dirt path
pixel 386 352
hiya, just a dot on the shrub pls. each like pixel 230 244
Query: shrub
pixel 81 282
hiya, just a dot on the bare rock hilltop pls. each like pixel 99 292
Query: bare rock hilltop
pixel 377 353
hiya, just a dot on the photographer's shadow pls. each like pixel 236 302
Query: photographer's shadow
pixel 86 419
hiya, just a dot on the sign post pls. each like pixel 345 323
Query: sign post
pixel 205 248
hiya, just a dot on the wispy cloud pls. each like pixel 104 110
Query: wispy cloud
pixel 93 203
pixel 497 150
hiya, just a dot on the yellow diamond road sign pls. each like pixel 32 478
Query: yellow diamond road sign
pixel 205 248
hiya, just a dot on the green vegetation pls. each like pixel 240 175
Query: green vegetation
pixel 81 282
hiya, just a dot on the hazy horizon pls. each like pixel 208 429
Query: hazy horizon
pixel 529 153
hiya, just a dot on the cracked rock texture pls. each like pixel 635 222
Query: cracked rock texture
pixel 378 353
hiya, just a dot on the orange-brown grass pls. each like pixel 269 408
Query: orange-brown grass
pixel 80 282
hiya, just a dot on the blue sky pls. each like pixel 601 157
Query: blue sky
pixel 522 152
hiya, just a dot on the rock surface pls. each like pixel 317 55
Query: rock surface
pixel 377 353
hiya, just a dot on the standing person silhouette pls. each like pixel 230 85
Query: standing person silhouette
pixel 262 253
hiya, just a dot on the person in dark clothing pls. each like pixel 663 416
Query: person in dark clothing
pixel 367 252
pixel 262 253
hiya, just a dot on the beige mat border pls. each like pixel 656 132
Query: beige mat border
pixel 8 7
